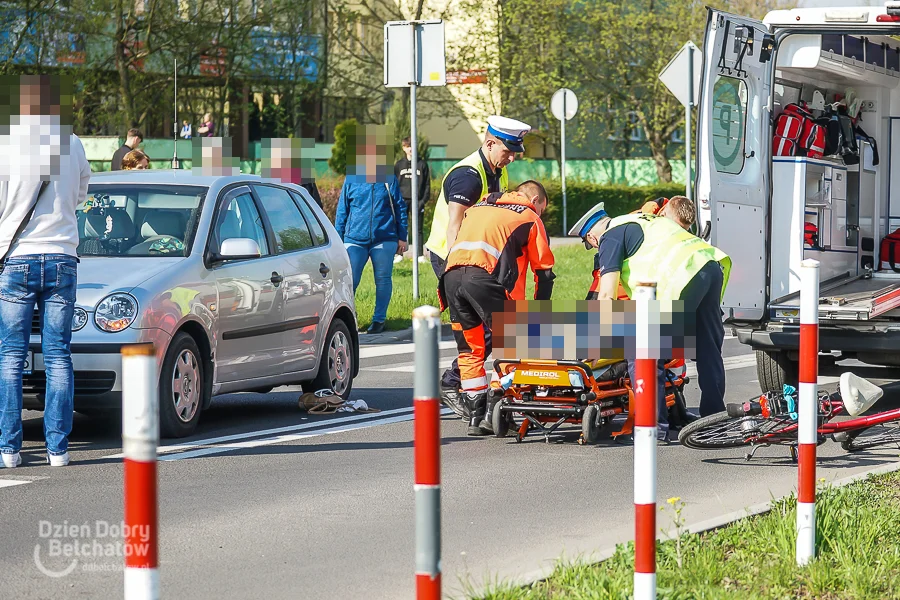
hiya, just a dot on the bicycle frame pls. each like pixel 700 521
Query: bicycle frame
pixel 828 427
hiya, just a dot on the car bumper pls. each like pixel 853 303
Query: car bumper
pixel 97 366
pixel 842 338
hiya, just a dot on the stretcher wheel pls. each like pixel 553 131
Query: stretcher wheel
pixel 499 421
pixel 590 428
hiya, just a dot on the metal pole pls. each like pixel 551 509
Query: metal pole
pixel 645 392
pixel 140 438
pixel 808 411
pixel 427 451
pixel 688 180
pixel 175 126
pixel 562 164
pixel 414 184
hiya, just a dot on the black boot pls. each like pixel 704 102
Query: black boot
pixel 478 405
pixel 486 423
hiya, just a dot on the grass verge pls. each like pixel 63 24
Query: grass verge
pixel 858 556
pixel 573 278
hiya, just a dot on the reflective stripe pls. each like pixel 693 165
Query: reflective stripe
pixel 477 383
pixel 476 246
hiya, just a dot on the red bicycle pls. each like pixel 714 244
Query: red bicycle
pixel 771 419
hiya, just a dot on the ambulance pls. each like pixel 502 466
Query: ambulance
pixel 798 135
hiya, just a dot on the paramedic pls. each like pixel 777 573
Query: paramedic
pixel 645 248
pixel 468 181
pixel 483 268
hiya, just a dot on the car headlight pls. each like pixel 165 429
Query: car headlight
pixel 116 312
pixel 79 319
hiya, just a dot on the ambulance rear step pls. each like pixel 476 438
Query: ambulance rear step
pixel 846 298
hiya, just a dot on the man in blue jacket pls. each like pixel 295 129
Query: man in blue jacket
pixel 371 217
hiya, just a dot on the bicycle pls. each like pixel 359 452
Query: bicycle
pixel 772 420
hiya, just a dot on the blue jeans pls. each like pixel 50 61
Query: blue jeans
pixel 47 281
pixel 382 256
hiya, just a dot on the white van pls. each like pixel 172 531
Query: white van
pixel 756 206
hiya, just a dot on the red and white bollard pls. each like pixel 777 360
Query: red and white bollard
pixel 645 429
pixel 427 449
pixel 140 438
pixel 808 410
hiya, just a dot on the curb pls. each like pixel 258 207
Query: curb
pixel 400 336
pixel 700 527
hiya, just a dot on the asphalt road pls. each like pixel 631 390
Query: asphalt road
pixel 267 501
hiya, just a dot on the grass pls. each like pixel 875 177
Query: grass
pixel 858 556
pixel 573 278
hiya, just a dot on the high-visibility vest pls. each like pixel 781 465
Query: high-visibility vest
pixel 668 256
pixel 437 239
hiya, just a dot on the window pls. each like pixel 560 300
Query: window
pixel 239 218
pixel 291 232
pixel 318 233
pixel 677 136
pixel 635 129
pixel 729 121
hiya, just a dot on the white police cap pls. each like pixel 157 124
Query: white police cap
pixel 588 220
pixel 509 131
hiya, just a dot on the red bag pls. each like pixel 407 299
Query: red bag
pixel 890 249
pixel 789 127
pixel 795 110
pixel 783 147
pixel 811 234
pixel 812 140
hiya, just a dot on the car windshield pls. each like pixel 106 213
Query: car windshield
pixel 139 219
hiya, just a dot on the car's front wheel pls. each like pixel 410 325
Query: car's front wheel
pixel 181 388
pixel 336 365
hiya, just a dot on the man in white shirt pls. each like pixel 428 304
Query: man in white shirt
pixel 42 180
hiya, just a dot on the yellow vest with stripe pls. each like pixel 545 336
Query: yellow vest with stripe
pixel 669 256
pixel 437 239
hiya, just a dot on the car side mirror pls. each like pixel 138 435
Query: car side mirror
pixel 239 248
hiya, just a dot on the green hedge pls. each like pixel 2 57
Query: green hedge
pixel 580 197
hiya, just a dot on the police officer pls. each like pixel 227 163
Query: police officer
pixel 639 248
pixel 468 181
pixel 483 268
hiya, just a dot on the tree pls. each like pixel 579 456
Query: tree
pixel 399 124
pixel 344 141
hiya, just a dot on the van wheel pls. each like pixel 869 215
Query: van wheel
pixel 336 364
pixel 181 388
pixel 774 369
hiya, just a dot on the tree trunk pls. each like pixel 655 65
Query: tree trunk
pixel 658 146
pixel 122 67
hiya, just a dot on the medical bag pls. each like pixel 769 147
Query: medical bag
pixel 811 235
pixel 890 249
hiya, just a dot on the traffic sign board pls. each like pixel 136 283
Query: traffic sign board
pixel 676 74
pixel 571 103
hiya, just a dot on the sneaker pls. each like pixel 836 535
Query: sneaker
pixel 452 399
pixel 397 258
pixel 423 260
pixel 375 327
pixel 11 461
pixel 662 433
pixel 58 460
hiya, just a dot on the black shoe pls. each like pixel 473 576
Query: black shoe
pixel 375 327
pixel 452 399
pixel 486 424
pixel 478 405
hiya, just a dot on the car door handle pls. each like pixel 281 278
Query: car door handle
pixel 323 269
pixel 276 278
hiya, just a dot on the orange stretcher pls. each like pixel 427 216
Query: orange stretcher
pixel 549 393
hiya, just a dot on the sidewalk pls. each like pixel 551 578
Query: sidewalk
pixel 401 336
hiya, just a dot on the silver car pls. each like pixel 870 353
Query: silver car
pixel 241 284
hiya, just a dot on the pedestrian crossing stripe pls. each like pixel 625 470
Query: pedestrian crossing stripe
pixel 12 482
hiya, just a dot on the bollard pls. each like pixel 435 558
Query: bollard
pixel 427 449
pixel 808 410
pixel 140 438
pixel 645 409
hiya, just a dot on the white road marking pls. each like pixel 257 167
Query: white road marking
pixel 280 439
pixel 396 349
pixel 11 482
pixel 273 431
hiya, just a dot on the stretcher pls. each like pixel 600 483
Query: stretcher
pixel 547 394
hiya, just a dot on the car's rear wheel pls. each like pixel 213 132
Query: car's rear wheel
pixel 181 388
pixel 774 369
pixel 336 365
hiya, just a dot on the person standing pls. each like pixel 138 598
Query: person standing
pixel 403 173
pixel 133 139
pixel 185 130
pixel 468 181
pixel 208 127
pixel 38 241
pixel 371 221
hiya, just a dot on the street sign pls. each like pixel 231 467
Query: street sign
pixel 398 53
pixel 564 97
pixel 677 73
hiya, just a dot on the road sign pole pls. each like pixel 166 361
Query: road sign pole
pixel 414 184
pixel 562 164
pixel 427 453
pixel 688 179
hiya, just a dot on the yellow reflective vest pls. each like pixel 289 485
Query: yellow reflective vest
pixel 437 239
pixel 669 256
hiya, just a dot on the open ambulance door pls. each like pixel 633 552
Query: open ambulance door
pixel 733 151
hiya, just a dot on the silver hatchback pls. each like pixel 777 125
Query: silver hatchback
pixel 241 284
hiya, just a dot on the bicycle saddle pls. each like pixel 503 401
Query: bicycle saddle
pixel 858 394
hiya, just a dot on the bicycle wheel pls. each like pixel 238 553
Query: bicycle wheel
pixel 885 434
pixel 715 431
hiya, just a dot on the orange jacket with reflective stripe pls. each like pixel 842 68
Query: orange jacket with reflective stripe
pixel 503 235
